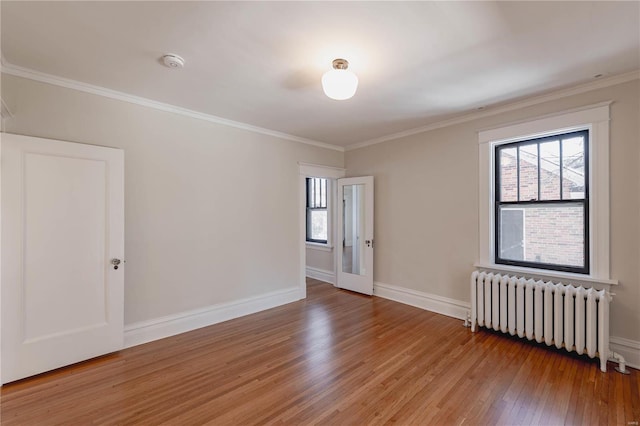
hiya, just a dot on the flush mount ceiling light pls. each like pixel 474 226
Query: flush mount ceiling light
pixel 339 83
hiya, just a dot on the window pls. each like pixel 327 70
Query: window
pixel 542 203
pixel 544 196
pixel 317 215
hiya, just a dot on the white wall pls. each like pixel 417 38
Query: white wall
pixel 426 213
pixel 211 212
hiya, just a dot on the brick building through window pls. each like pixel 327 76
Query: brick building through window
pixel 535 225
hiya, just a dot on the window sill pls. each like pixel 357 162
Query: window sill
pixel 319 246
pixel 545 274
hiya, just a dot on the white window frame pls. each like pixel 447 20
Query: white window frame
pixel 595 118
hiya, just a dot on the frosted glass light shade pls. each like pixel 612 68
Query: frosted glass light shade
pixel 339 84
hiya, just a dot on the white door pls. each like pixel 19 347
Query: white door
pixel 355 234
pixel 62 218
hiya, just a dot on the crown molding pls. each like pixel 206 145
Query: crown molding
pixel 15 70
pixel 534 100
pixel 5 112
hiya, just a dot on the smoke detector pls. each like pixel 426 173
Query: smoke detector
pixel 173 61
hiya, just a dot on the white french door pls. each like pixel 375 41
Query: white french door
pixel 62 279
pixel 355 234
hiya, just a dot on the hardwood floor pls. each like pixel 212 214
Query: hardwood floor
pixel 334 358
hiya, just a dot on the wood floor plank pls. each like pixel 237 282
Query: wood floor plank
pixel 334 358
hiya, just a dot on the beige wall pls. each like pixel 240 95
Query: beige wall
pixel 426 214
pixel 210 215
pixel 320 259
pixel 211 212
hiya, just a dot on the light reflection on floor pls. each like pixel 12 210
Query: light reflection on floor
pixel 318 342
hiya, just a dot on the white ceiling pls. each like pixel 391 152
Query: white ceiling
pixel 260 63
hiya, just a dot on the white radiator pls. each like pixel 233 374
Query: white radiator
pixel 562 315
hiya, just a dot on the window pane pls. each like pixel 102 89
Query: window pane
pixel 552 234
pixel 573 168
pixel 324 193
pixel 512 234
pixel 508 175
pixel 316 192
pixel 319 225
pixel 528 172
pixel 550 170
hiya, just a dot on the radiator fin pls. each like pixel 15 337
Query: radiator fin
pixel 554 313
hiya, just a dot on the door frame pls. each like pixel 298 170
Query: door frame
pixel 314 170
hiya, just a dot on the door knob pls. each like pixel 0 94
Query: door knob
pixel 115 263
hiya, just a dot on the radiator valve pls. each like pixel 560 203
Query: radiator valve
pixel 621 368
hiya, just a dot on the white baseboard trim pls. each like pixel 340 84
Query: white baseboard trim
pixel 430 302
pixel 629 349
pixel 170 325
pixel 321 274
